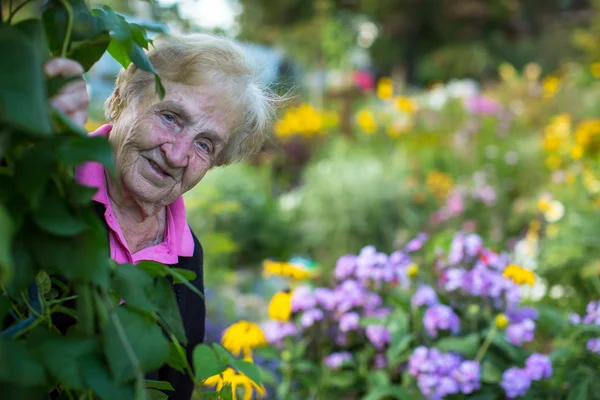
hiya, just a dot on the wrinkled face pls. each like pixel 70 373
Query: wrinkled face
pixel 164 147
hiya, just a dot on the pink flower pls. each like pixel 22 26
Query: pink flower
pixel 482 105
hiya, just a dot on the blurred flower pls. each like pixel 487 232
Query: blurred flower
pixel 521 332
pixel 349 322
pixel 576 152
pixel 574 318
pixel 412 270
pixel 424 296
pixel 507 72
pixel 593 313
pixel 243 336
pixel 587 134
pixel 453 279
pixel 366 121
pixel 309 317
pixel 385 88
pixel 501 321
pixel 380 361
pixel 416 243
pixel 550 86
pixel 479 104
pixel 515 382
pixel 304 120
pixel 533 71
pixel 345 267
pixel 538 366
pixel 280 307
pixel 406 105
pixel 593 345
pixel 236 379
pixel 325 298
pixel 378 335
pixel 520 314
pixel 302 299
pixel 519 275
pixel 595 69
pixel 336 360
pixel 440 317
pixel 468 376
pixel 439 184
pixel 285 269
pixel 276 331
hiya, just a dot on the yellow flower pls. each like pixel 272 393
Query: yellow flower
pixel 519 275
pixel 553 162
pixel 413 270
pixel 235 380
pixel 550 86
pixel 576 152
pixel 595 69
pixel 587 133
pixel 406 105
pixel 554 211
pixel 501 321
pixel 385 88
pixel 439 184
pixel 366 121
pixel 243 336
pixel 285 269
pixel 280 307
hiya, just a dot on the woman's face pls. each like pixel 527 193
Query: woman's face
pixel 164 147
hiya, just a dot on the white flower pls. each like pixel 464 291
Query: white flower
pixel 555 211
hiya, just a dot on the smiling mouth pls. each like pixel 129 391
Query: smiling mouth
pixel 157 168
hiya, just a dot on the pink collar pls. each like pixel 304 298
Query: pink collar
pixel 178 239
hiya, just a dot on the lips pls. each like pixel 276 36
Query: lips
pixel 158 169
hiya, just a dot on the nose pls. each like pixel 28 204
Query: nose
pixel 177 151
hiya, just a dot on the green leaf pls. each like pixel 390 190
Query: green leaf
pixel 206 362
pixel 6 237
pixel 174 359
pixel 183 273
pixel 24 272
pixel 97 376
pixel 119 53
pixel 378 378
pixel 88 52
pixel 490 373
pixel 78 150
pixel 153 268
pixel 18 364
pixel 224 355
pixel 134 286
pixel 33 171
pixel 54 217
pixel 515 353
pixel 141 334
pixel 160 385
pixel 60 356
pixel 580 391
pixel 156 394
pixel 177 276
pixel 550 320
pixel 398 348
pixel 342 379
pixel 165 303
pixel 387 392
pixel 467 345
pixel 23 101
pixel 4 307
pixel 248 369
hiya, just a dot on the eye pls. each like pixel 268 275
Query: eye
pixel 203 145
pixel 169 117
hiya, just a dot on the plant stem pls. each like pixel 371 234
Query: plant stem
pixel 486 344
pixel 65 47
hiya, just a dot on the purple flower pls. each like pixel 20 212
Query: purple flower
pixel 416 243
pixel 417 360
pixel 372 301
pixel 349 322
pixel 446 386
pixel 538 366
pixel 481 105
pixel 310 316
pixel 453 278
pixel 325 297
pixel 521 332
pixel 336 360
pixel 302 299
pixel 515 382
pixel 379 313
pixel 593 345
pixel 456 249
pixel 468 375
pixel 593 313
pixel 378 335
pixel 348 294
pixel 523 313
pixel 345 267
pixel 440 317
pixel 473 245
pixel 445 362
pixel 424 296
pixel 380 361
pixel 574 318
pixel 427 383
pixel 276 331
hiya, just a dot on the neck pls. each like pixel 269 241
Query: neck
pixel 127 205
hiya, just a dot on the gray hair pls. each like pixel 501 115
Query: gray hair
pixel 199 59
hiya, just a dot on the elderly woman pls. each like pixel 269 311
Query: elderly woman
pixel 214 113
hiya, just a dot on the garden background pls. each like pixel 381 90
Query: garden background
pixel 424 221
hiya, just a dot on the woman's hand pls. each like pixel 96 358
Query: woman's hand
pixel 73 98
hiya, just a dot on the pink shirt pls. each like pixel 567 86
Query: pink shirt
pixel 178 240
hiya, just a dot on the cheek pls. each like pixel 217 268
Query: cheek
pixel 195 171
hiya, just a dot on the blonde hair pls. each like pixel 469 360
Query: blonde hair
pixel 202 59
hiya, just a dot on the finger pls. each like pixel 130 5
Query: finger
pixel 63 67
pixel 70 102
